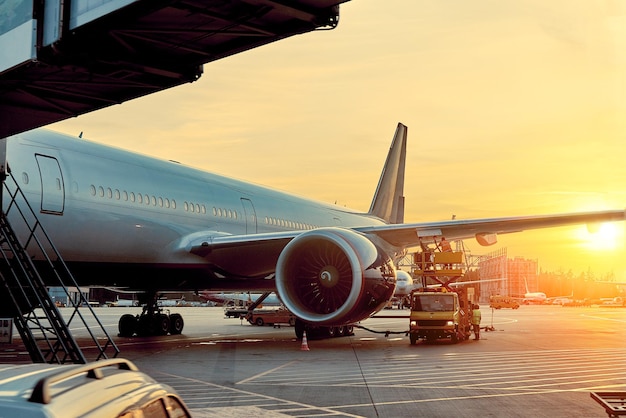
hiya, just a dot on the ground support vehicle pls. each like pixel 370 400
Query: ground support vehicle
pixel 236 312
pixel 614 403
pixel 437 309
pixel 274 317
pixel 439 313
pixel 499 302
pixel 107 388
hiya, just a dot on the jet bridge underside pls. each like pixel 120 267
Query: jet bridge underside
pixel 140 47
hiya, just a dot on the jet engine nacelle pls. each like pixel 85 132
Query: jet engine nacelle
pixel 334 276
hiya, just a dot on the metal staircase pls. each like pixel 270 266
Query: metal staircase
pixel 28 264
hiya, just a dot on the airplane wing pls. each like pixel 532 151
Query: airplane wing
pixel 262 250
pixel 484 230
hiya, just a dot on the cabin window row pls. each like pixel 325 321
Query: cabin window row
pixel 225 213
pixel 286 223
pixel 132 197
pixel 194 207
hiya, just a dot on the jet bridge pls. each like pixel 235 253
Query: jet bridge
pixel 63 58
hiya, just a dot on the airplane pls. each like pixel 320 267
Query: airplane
pixel 404 284
pixel 539 297
pixel 535 298
pixel 131 221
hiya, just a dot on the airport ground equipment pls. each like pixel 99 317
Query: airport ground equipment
pixel 29 262
pixel 439 313
pixel 499 302
pixel 614 403
pixel 437 309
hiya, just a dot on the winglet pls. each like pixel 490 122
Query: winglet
pixel 388 202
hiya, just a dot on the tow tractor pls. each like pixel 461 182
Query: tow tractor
pixel 441 311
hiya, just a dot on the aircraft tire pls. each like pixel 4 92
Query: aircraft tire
pixel 146 325
pixel 127 325
pixel 176 324
pixel 162 324
pixel 299 329
pixel 332 332
pixel 348 330
pixel 259 322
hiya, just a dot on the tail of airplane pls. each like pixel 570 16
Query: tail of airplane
pixel 388 201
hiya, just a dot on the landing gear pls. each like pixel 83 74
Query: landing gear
pixel 152 321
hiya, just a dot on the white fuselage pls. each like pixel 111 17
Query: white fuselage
pixel 122 211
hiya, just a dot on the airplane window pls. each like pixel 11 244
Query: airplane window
pixel 117 194
pixel 203 209
pixel 173 204
pixel 25 178
pixel 147 199
pixel 139 198
pixel 236 215
pixel 58 183
pixel 125 195
pixel 167 202
pixel 92 190
pixel 160 201
pixel 101 191
pixel 197 208
pixel 132 196
pixel 153 201
pixel 186 206
pixel 109 192
pixel 214 211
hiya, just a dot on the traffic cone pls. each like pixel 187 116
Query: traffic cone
pixel 304 346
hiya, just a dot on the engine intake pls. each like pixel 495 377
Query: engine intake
pixel 334 276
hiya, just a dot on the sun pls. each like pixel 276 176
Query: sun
pixel 603 237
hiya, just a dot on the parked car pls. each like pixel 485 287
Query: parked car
pixel 271 317
pixel 112 388
pixel 499 302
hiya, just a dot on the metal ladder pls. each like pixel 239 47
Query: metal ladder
pixel 44 330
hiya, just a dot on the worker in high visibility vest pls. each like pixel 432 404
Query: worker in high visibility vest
pixel 476 321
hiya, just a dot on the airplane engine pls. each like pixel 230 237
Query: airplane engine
pixel 334 276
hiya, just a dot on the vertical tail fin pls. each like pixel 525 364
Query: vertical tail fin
pixel 388 201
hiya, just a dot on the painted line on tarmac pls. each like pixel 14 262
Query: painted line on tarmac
pixel 266 372
pixel 297 406
pixel 603 318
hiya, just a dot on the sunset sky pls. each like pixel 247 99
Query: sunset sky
pixel 513 108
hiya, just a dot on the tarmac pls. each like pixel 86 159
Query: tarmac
pixel 539 361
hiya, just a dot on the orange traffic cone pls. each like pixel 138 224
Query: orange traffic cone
pixel 305 345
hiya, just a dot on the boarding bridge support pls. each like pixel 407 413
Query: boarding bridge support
pixel 28 264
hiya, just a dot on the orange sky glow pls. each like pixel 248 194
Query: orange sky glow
pixel 513 108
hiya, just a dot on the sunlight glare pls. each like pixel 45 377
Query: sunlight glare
pixel 604 237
